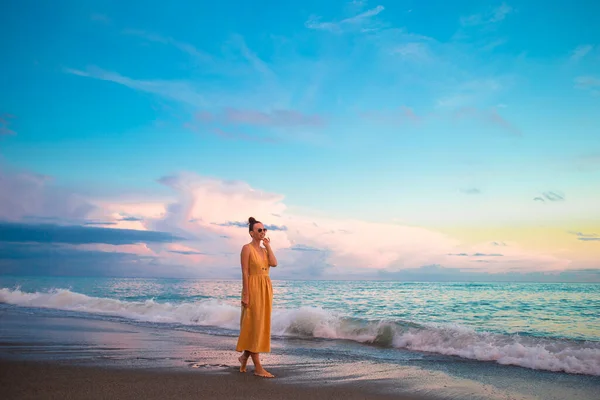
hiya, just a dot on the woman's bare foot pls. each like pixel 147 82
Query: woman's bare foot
pixel 263 373
pixel 243 361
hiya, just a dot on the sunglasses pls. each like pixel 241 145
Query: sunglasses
pixel 261 230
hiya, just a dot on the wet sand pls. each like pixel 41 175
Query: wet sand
pixel 44 380
pixel 46 356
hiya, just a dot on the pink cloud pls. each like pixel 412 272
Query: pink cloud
pixel 400 115
pixel 210 214
pixel 4 123
pixel 489 257
pixel 242 136
pixel 274 118
pixel 204 116
pixel 204 206
pixel 23 194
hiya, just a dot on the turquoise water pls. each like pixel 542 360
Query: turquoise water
pixel 553 327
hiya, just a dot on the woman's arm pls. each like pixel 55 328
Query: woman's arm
pixel 245 256
pixel 270 253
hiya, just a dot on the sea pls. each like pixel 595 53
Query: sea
pixel 552 328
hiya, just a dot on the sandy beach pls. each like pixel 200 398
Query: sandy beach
pixel 33 380
pixel 45 355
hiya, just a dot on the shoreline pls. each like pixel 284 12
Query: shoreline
pixel 36 344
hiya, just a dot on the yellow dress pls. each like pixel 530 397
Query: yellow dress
pixel 255 321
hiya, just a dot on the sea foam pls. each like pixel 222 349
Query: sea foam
pixel 552 354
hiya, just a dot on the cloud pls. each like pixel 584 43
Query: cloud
pixel 45 259
pixel 216 206
pixel 73 234
pixel 588 83
pixel 182 46
pixel 397 116
pixel 186 252
pixel 341 245
pixel 213 64
pixel 271 118
pixel 580 52
pixel 206 60
pixel 251 57
pixel 100 18
pixel 489 117
pixel 499 244
pixel 180 91
pixel 586 237
pixel 244 224
pixel 4 124
pixel 237 135
pixel 131 219
pixel 471 190
pixel 50 260
pixel 403 115
pixel 300 247
pixel 25 194
pixel 271 125
pixel 211 213
pixel 470 94
pixel 220 123
pixel 438 273
pixel 550 196
pixel 490 16
pixel 588 162
pixel 476 255
pixel 492 44
pixel 553 196
pixel 360 22
pixel 415 51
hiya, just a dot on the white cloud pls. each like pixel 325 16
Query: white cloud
pixel 188 48
pixel 210 209
pixel 24 194
pixel 488 17
pixel 580 52
pixel 489 257
pixel 413 51
pixel 471 93
pixel 589 83
pixel 357 22
pixel 211 213
pixel 181 91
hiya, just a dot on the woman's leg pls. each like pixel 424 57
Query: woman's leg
pixel 258 368
pixel 243 360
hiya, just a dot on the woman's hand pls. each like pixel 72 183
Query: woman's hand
pixel 245 299
pixel 266 242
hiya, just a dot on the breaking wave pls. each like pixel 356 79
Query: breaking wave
pixel 552 354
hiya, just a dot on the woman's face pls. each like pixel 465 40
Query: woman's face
pixel 258 231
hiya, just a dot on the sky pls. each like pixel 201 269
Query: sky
pixel 377 140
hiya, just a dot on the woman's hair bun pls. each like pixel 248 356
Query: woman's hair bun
pixel 251 220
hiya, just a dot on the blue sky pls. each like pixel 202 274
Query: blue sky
pixel 445 116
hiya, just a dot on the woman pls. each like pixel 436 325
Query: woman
pixel 257 298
